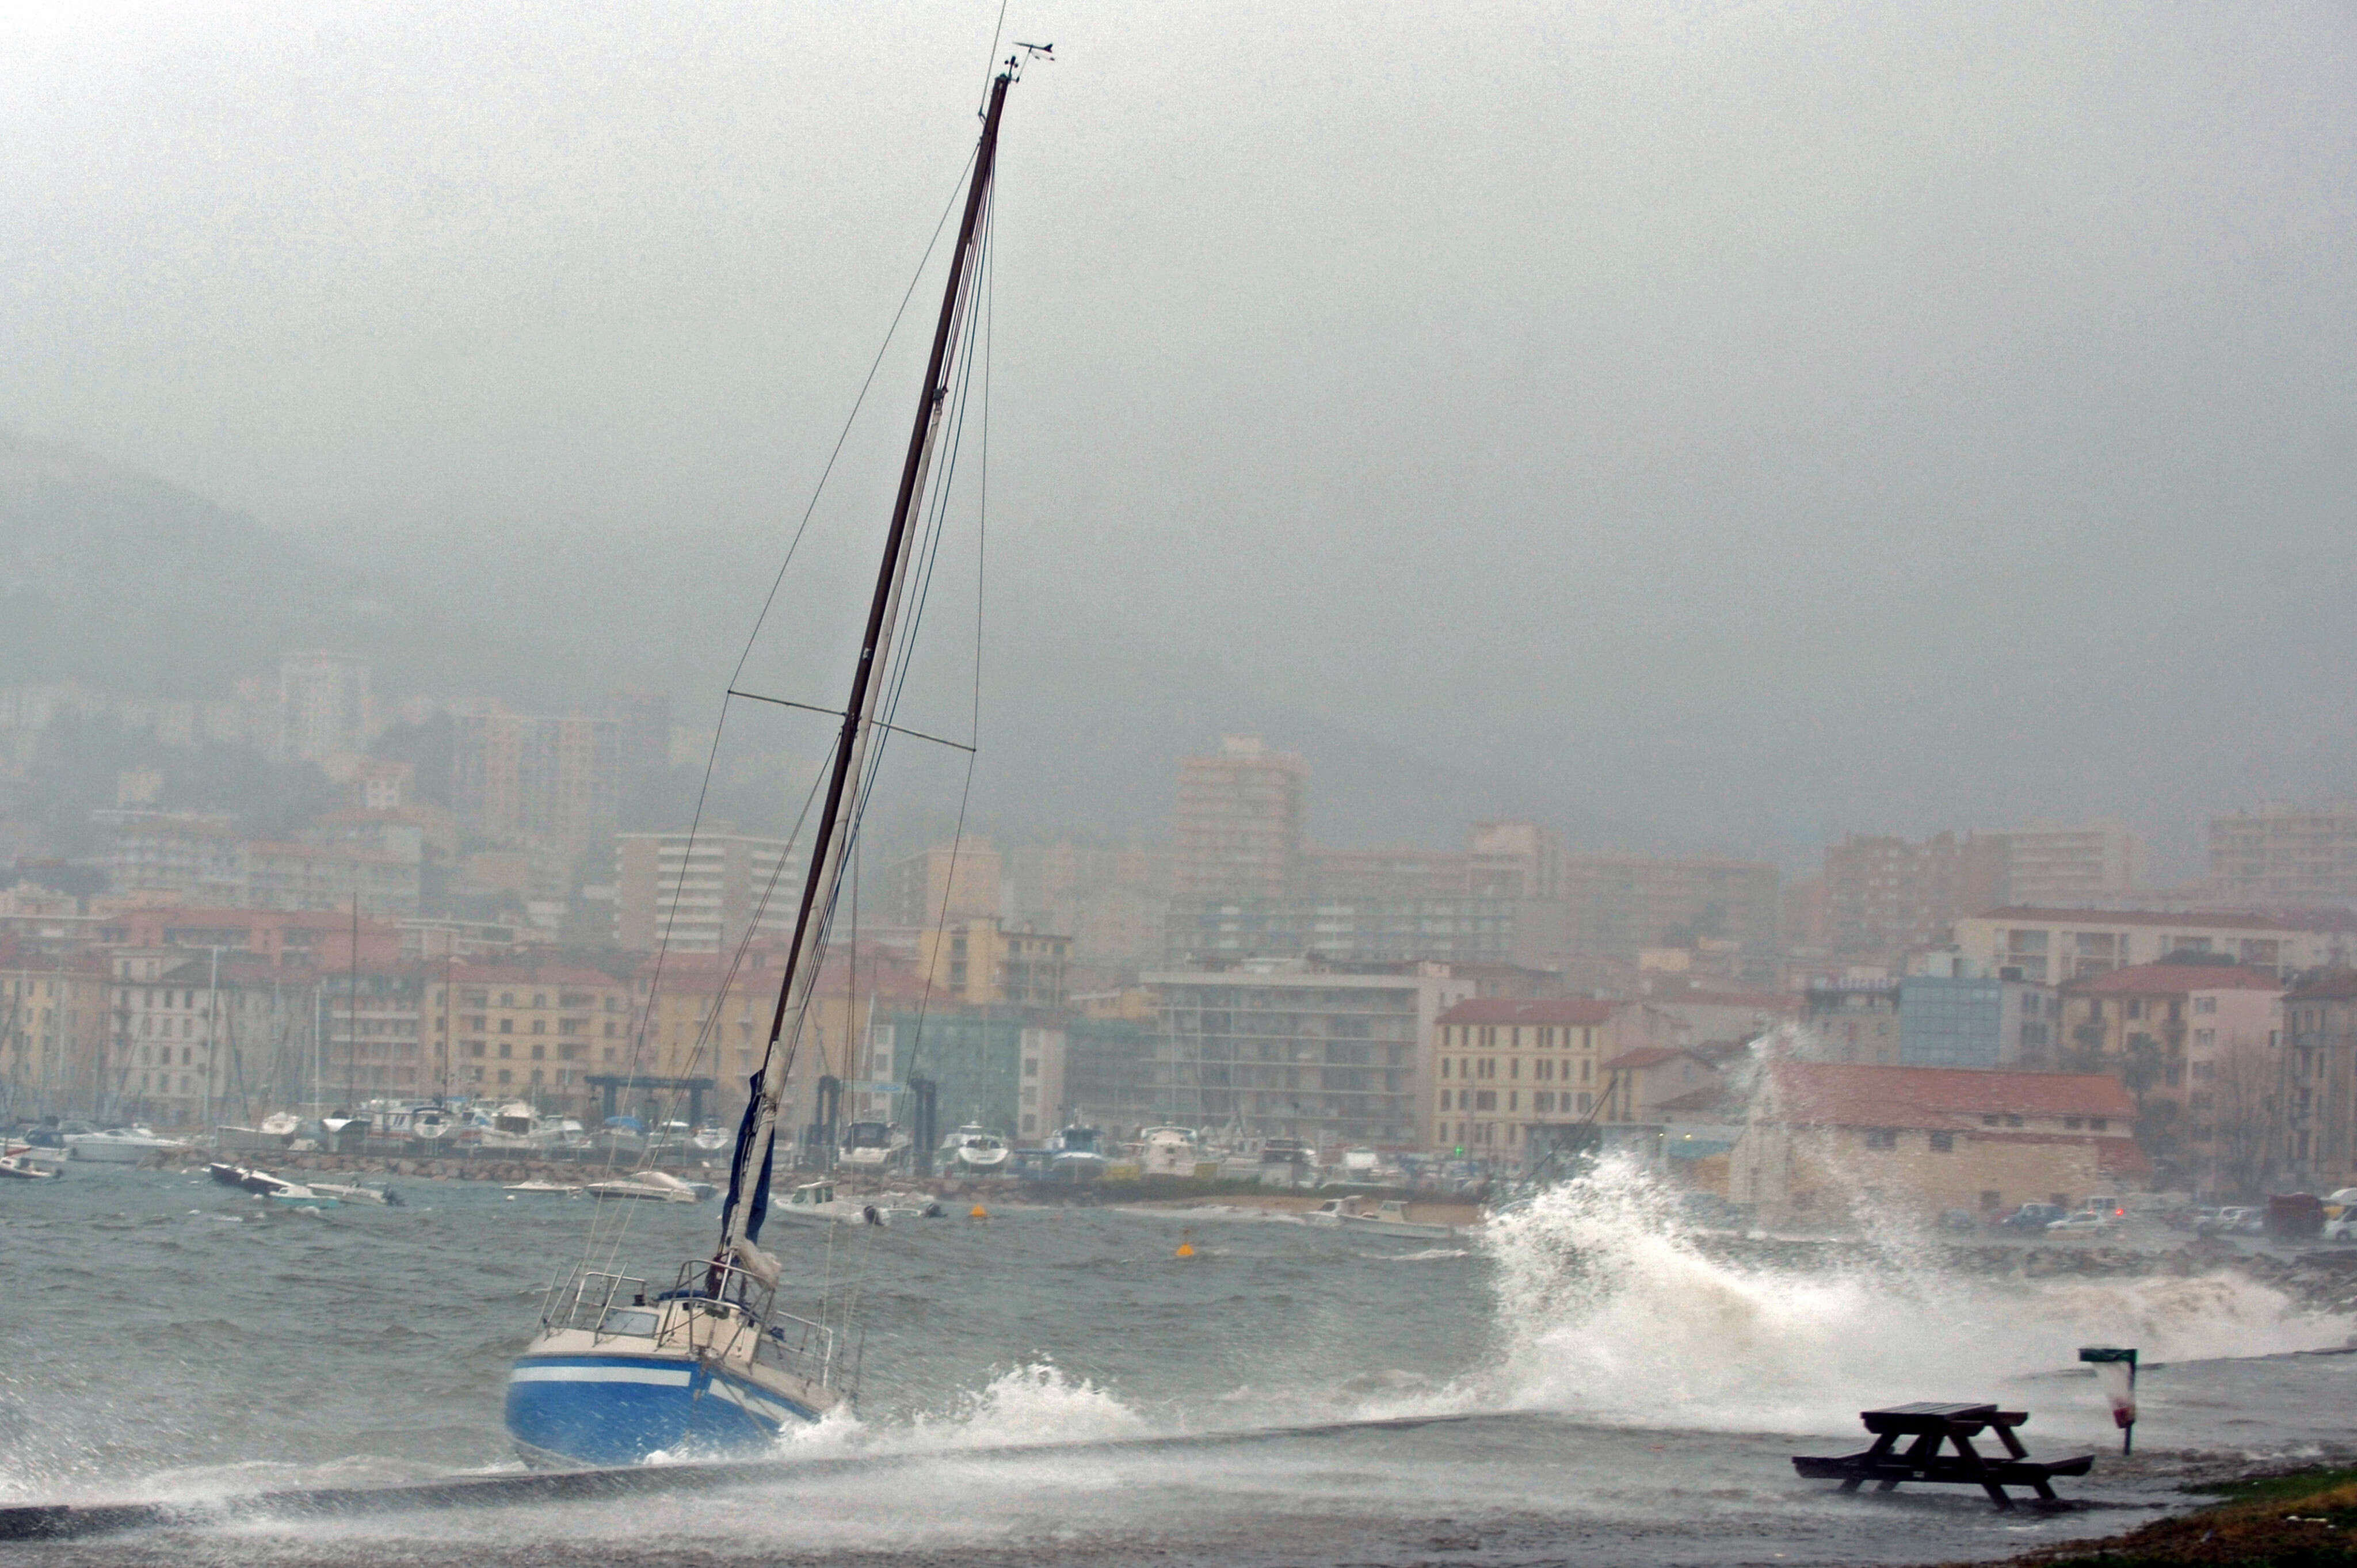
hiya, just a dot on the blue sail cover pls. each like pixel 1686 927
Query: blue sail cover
pixel 759 1198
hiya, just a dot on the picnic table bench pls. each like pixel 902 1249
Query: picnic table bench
pixel 1931 1427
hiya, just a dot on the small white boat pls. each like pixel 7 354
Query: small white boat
pixel 975 1151
pixel 709 1138
pixel 1334 1210
pixel 650 1186
pixel 873 1146
pixel 1169 1151
pixel 1390 1219
pixel 21 1166
pixel 815 1203
pixel 556 1189
pixel 120 1146
pixel 295 1195
pixel 381 1196
pixel 283 1124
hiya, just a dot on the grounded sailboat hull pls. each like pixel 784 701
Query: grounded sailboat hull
pixel 625 1410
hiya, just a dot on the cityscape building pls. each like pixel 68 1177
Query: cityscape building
pixel 323 706
pixel 2051 946
pixel 547 781
pixel 1334 1055
pixel 1885 895
pixel 2287 855
pixel 703 894
pixel 1240 820
pixel 1617 906
pixel 2317 1143
pixel 1505 1067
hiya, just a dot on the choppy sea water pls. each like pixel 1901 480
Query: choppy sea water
pixel 1614 1393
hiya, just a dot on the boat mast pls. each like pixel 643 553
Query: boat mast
pixel 800 984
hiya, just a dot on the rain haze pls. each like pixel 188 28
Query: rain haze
pixel 1708 427
pixel 1026 784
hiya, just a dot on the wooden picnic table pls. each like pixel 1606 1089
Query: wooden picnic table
pixel 1932 1427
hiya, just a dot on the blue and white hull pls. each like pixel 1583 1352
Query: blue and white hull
pixel 616 1379
pixel 625 1409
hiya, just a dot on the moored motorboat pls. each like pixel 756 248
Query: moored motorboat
pixel 20 1166
pixel 975 1151
pixel 1389 1218
pixel 652 1187
pixel 121 1146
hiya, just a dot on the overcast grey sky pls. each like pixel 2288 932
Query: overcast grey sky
pixel 1743 423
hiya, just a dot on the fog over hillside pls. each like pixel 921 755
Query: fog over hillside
pixel 1715 427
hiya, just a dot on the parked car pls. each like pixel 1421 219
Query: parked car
pixel 2032 1216
pixel 2086 1222
pixel 2343 1229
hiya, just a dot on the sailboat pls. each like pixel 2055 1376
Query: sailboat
pixel 620 1373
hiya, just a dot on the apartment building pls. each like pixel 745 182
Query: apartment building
pixel 53 1029
pixel 1502 1066
pixel 1851 1021
pixel 1239 824
pixel 1885 895
pixel 946 882
pixel 704 896
pixel 2052 864
pixel 1618 906
pixel 2055 946
pixel 2318 1139
pixel 1340 1054
pixel 538 780
pixel 2285 854
pixel 2194 1044
pixel 1367 930
pixel 981 960
pixel 521 1031
pixel 323 706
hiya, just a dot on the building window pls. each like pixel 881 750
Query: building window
pixel 507 1025
pixel 1485 1101
pixel 2097 1123
pixel 1881 1138
pixel 1542 1101
pixel 1943 1143
pixel 506 1050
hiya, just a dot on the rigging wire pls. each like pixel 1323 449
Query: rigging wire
pixel 981 534
pixel 933 509
pixel 638 1055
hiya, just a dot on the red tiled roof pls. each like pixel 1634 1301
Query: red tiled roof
pixel 1709 1098
pixel 2331 986
pixel 1765 1001
pixel 1542 1009
pixel 2175 979
pixel 1643 1057
pixel 1836 1094
pixel 516 975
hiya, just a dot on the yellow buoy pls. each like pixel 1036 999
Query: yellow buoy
pixel 979 1213
pixel 1186 1249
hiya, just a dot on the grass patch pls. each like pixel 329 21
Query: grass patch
pixel 2306 1519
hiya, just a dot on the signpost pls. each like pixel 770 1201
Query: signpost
pixel 2115 1372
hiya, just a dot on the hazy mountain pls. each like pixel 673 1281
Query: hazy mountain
pixel 120 580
